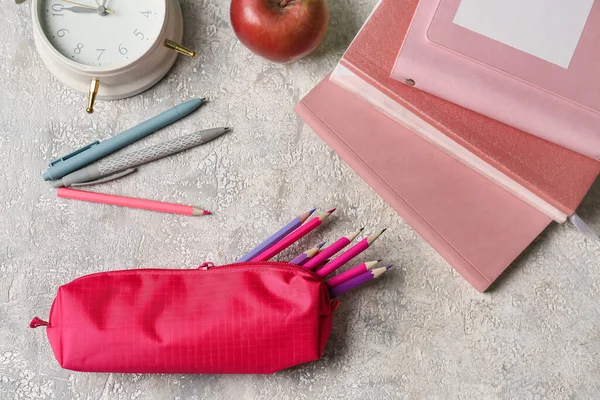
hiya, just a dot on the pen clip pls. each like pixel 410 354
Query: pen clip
pixel 109 178
pixel 74 153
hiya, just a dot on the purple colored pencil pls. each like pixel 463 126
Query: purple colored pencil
pixel 277 236
pixel 351 273
pixel 357 281
pixel 307 255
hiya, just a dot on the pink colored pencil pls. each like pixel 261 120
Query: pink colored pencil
pixel 277 236
pixel 329 251
pixel 351 273
pixel 293 237
pixel 130 202
pixel 348 254
pixel 323 263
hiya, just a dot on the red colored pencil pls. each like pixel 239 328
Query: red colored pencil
pixel 349 254
pixel 294 237
pixel 351 273
pixel 329 251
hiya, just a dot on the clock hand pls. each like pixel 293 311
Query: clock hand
pixel 81 10
pixel 86 6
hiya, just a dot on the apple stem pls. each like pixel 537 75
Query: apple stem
pixel 284 3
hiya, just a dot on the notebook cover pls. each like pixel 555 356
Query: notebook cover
pixel 475 225
pixel 559 102
pixel 558 176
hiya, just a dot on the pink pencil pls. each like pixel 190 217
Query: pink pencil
pixel 323 263
pixel 348 255
pixel 130 202
pixel 329 251
pixel 351 273
pixel 293 237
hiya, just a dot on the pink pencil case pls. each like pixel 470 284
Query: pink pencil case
pixel 246 318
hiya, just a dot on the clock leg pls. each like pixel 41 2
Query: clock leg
pixel 94 86
pixel 179 48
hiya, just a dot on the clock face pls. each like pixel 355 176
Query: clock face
pixel 102 33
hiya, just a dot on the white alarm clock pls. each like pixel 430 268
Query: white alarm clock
pixel 110 49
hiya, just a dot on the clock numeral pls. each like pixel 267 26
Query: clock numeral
pixel 139 34
pixel 122 49
pixel 78 48
pixel 58 8
pixel 147 14
pixel 101 51
pixel 62 32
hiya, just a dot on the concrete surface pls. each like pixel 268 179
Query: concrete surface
pixel 421 332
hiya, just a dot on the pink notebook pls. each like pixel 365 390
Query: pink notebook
pixel 478 227
pixel 530 64
pixel 549 177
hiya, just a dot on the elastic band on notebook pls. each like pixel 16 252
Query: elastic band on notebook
pixel 583 228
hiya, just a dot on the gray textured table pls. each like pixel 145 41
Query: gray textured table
pixel 421 332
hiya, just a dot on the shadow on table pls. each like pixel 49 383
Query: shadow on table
pixel 344 24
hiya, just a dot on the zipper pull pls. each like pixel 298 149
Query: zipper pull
pixel 206 266
pixel 36 323
pixel 334 304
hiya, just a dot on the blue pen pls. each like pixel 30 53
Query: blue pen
pixel 97 150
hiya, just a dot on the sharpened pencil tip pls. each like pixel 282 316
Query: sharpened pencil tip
pixel 320 245
pixel 362 229
pixel 389 267
pixel 312 211
pixel 331 211
pixel 199 211
pixel 379 261
pixel 374 237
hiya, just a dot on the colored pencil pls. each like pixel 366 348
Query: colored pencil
pixel 329 251
pixel 351 273
pixel 322 264
pixel 357 281
pixel 293 237
pixel 277 236
pixel 130 202
pixel 307 255
pixel 349 254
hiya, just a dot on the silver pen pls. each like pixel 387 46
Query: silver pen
pixel 109 170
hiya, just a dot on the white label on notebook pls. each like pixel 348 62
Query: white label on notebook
pixel 548 29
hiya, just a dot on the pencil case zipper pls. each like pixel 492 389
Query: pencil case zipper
pixel 205 267
pixel 279 265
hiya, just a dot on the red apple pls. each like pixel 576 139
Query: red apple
pixel 280 30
